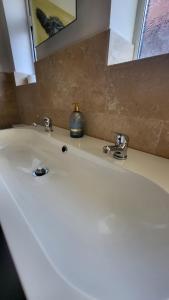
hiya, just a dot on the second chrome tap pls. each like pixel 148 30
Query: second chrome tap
pixel 119 149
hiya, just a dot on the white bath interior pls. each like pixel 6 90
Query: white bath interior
pixel 94 228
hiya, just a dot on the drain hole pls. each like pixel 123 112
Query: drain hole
pixel 40 172
pixel 64 149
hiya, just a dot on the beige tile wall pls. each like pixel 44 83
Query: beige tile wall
pixel 9 113
pixel 132 98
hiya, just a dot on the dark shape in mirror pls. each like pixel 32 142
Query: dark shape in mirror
pixel 51 25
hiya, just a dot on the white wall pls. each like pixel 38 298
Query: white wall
pixel 16 18
pixel 92 17
pixel 67 5
pixel 122 24
pixel 122 20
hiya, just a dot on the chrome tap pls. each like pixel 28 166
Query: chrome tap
pixel 47 122
pixel 119 150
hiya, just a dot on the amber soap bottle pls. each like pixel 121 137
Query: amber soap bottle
pixel 76 123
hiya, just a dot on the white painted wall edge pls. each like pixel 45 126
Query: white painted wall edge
pixel 18 29
pixel 24 79
pixel 120 50
pixel 122 25
pixel 122 17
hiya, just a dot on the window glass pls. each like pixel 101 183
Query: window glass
pixel 155 36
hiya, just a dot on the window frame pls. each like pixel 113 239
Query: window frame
pixel 140 22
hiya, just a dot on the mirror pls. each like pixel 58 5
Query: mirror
pixel 51 16
pixel 139 30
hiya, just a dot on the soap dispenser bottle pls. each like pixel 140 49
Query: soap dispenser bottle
pixel 76 122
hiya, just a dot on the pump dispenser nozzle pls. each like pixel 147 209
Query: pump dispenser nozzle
pixel 76 122
pixel 76 106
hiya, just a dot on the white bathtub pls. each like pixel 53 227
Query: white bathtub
pixel 92 228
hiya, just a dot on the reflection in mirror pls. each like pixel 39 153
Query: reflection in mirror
pixel 139 30
pixel 50 16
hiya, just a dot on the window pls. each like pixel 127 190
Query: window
pixel 155 31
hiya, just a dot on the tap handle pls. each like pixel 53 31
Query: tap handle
pixel 121 139
pixel 34 124
pixel 47 121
